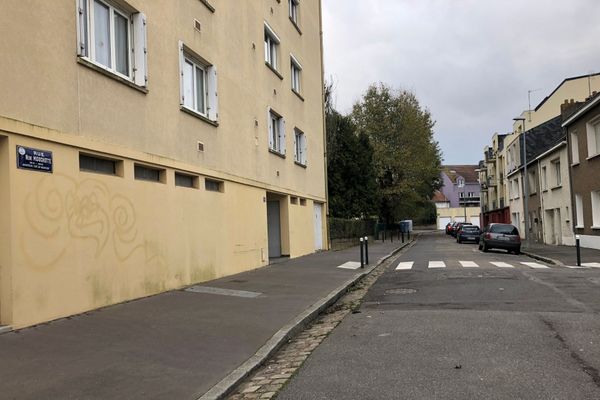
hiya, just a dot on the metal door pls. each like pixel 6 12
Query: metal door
pixel 274 229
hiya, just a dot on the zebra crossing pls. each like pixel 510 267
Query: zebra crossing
pixel 438 264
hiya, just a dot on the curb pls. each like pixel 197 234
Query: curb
pixel 5 329
pixel 542 258
pixel 227 384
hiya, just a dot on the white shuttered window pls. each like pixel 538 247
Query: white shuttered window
pixel 198 84
pixel 113 38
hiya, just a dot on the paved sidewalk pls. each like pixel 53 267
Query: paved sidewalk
pixel 561 255
pixel 179 344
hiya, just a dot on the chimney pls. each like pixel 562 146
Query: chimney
pixel 568 108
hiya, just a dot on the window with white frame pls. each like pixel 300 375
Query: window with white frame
pixel 574 147
pixel 544 178
pixel 296 69
pixel 578 211
pixel 294 8
pixel 532 181
pixel 198 84
pixel 557 175
pixel 596 209
pixel 593 138
pixel 271 47
pixel 114 38
pixel 299 147
pixel 276 132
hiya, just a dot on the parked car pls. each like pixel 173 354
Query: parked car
pixel 468 233
pixel 500 236
pixel 448 226
pixel 457 227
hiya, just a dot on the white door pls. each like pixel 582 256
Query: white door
pixel 459 219
pixel 443 221
pixel 474 219
pixel 318 226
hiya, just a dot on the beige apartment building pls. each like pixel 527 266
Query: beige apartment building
pixel 148 145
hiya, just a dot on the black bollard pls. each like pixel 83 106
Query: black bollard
pixel 392 236
pixel 402 236
pixel 408 235
pixel 367 250
pixel 578 250
pixel 362 263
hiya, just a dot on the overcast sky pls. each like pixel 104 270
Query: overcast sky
pixel 470 62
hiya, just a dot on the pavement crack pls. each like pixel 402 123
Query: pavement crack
pixel 585 367
pixel 570 300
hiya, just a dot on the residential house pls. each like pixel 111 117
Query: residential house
pixel 576 88
pixel 459 197
pixel 494 205
pixel 583 137
pixel 149 145
pixel 548 189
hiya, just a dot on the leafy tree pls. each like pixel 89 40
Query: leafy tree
pixel 407 159
pixel 353 190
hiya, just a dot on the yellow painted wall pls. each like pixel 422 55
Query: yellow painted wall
pixel 55 91
pixel 5 236
pixel 83 240
pixel 77 240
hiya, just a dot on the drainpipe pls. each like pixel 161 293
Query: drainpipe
pixel 324 127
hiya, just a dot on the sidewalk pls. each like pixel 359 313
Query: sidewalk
pixel 561 255
pixel 179 344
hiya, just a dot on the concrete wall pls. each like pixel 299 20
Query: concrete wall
pixel 458 213
pixel 5 232
pixel 72 241
pixel 57 92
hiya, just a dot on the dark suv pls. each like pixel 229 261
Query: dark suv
pixel 457 228
pixel 500 236
pixel 468 233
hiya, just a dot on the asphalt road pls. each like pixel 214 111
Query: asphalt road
pixel 469 329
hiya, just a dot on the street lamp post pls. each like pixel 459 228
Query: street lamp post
pixel 461 185
pixel 526 183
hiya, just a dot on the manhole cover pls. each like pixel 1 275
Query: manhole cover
pixel 400 291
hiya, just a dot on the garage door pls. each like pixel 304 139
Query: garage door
pixel 475 220
pixel 442 221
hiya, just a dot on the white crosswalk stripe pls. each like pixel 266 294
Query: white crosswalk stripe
pixel 405 265
pixel 591 264
pixel 501 264
pixel 350 265
pixel 534 265
pixel 409 265
pixel 468 264
pixel 437 264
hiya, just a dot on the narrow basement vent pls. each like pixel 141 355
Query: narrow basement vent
pixel 197 25
pixel 200 146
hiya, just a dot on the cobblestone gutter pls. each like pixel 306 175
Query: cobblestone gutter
pixel 270 378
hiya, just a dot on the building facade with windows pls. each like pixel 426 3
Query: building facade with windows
pixel 459 197
pixel 146 146
pixel 583 137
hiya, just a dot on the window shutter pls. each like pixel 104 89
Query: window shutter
pixel 282 137
pixel 269 128
pixel 304 147
pixel 213 99
pixel 296 155
pixel 140 50
pixel 81 28
pixel 181 64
